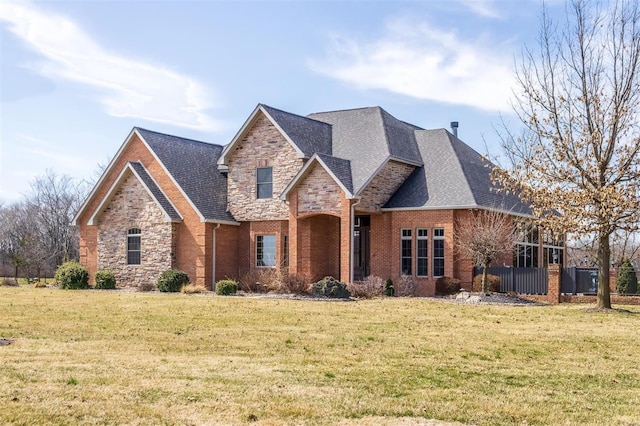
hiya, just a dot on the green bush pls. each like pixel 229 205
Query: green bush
pixel 72 275
pixel 446 286
pixel 330 287
pixel 226 287
pixel 172 281
pixel 493 283
pixel 105 279
pixel 388 288
pixel 627 282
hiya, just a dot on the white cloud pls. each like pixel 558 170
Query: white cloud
pixel 484 8
pixel 422 61
pixel 127 87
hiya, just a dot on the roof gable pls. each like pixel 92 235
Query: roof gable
pixel 338 168
pixel 192 165
pixel 137 169
pixel 305 135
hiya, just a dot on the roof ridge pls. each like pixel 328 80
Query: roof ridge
pixel 297 115
pixel 178 137
pixel 452 139
pixel 347 109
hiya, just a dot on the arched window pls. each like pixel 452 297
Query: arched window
pixel 133 246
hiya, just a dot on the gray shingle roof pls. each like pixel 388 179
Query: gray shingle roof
pixel 453 176
pixel 340 168
pixel 193 165
pixel 368 137
pixel 309 135
pixel 160 197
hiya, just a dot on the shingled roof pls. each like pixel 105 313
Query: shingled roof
pixel 368 137
pixel 155 191
pixel 193 166
pixel 453 176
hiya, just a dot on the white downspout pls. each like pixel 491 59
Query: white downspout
pixel 213 259
pixel 353 230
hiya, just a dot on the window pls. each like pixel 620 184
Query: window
pixel 552 248
pixel 438 252
pixel 265 250
pixel 405 250
pixel 264 179
pixel 133 246
pixel 526 243
pixel 422 252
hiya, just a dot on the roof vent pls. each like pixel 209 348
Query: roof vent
pixel 454 128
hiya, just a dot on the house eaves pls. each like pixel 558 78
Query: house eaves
pixel 338 168
pixel 136 169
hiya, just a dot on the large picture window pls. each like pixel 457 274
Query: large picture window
pixel 552 248
pixel 438 252
pixel 264 182
pixel 526 244
pixel 133 246
pixel 405 250
pixel 422 252
pixel 265 250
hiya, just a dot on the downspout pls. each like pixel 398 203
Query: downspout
pixel 353 230
pixel 213 260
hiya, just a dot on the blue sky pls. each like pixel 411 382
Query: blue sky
pixel 75 77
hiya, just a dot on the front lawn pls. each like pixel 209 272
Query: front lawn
pixel 110 357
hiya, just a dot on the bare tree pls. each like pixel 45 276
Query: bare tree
pixel 483 238
pixel 18 237
pixel 578 98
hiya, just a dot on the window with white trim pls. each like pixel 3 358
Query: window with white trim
pixel 264 182
pixel 438 252
pixel 265 250
pixel 133 246
pixel 405 251
pixel 422 252
pixel 526 243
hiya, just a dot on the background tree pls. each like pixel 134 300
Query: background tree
pixel 627 279
pixel 578 98
pixel 483 238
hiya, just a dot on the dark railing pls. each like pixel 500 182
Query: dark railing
pixel 520 280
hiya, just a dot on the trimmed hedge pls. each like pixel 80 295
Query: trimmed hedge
pixel 446 286
pixel 72 275
pixel 105 279
pixel 330 287
pixel 172 281
pixel 226 287
pixel 493 283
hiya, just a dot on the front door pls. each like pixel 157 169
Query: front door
pixel 361 247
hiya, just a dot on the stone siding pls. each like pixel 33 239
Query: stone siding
pixel 318 192
pixel 133 207
pixel 383 186
pixel 262 146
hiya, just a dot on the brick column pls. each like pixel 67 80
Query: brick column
pixel 293 232
pixel 555 282
pixel 345 239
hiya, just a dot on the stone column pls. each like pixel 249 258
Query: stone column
pixel 555 282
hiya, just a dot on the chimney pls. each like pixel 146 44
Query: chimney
pixel 454 128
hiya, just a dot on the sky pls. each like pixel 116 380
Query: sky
pixel 77 76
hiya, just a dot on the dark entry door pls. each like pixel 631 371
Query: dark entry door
pixel 361 247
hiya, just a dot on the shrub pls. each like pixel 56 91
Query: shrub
pixel 405 286
pixel 446 286
pixel 72 275
pixel 193 289
pixel 294 284
pixel 493 283
pixel 146 286
pixel 105 279
pixel 172 280
pixel 369 287
pixel 226 287
pixel 388 288
pixel 330 287
pixel 627 282
pixel 260 280
pixel 9 282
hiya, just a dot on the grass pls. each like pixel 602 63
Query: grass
pixel 93 357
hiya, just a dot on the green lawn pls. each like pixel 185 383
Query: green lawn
pixel 104 357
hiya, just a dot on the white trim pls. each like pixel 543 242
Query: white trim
pixel 222 161
pixel 222 222
pixel 117 183
pixel 402 160
pixel 471 207
pixel 303 172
